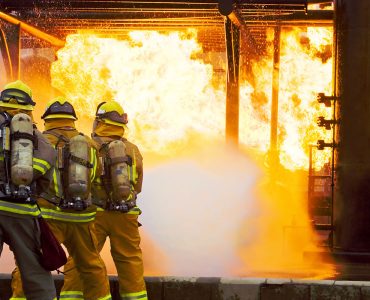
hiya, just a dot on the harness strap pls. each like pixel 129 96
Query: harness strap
pixel 59 136
pixel 80 161
pixel 117 160
pixel 23 135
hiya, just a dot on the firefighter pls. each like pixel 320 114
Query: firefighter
pixel 66 205
pixel 117 215
pixel 18 209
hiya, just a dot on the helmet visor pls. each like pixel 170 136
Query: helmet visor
pixel 114 116
pixel 20 96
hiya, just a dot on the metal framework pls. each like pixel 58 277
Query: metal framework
pixel 60 18
pixel 240 16
pixel 223 25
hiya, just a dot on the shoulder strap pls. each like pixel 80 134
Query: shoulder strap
pixel 59 136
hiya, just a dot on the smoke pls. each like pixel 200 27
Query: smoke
pixel 194 206
pixel 215 212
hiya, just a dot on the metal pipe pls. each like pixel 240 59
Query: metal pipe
pixel 33 30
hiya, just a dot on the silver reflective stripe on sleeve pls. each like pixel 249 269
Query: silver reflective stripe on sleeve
pixel 18 208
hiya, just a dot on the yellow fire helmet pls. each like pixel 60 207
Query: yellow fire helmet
pixel 59 108
pixel 111 112
pixel 17 94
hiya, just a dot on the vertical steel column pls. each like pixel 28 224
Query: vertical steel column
pixel 11 46
pixel 274 154
pixel 352 190
pixel 232 36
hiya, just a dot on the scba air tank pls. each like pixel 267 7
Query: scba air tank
pixel 119 171
pixel 21 157
pixel 79 171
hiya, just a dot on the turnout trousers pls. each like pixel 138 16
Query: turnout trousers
pixel 81 243
pixel 123 232
pixel 22 234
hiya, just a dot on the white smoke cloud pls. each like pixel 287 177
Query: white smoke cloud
pixel 193 209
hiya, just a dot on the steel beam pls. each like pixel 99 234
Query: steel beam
pixel 232 36
pixel 310 17
pixel 32 30
pixel 255 17
pixel 25 5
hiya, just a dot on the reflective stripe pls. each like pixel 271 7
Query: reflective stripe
pixel 76 295
pixel 23 298
pixel 134 211
pixel 67 217
pixel 38 168
pixel 43 162
pixel 57 180
pixel 57 184
pixel 134 173
pixel 17 208
pixel 71 295
pixel 40 165
pixel 93 162
pixel 130 197
pixel 132 296
pixel 108 297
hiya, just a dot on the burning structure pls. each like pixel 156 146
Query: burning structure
pixel 181 67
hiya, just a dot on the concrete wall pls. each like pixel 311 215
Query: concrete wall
pixel 200 288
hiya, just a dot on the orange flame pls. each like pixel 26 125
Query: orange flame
pixel 305 70
pixel 168 90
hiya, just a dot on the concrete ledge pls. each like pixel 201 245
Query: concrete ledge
pixel 216 288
